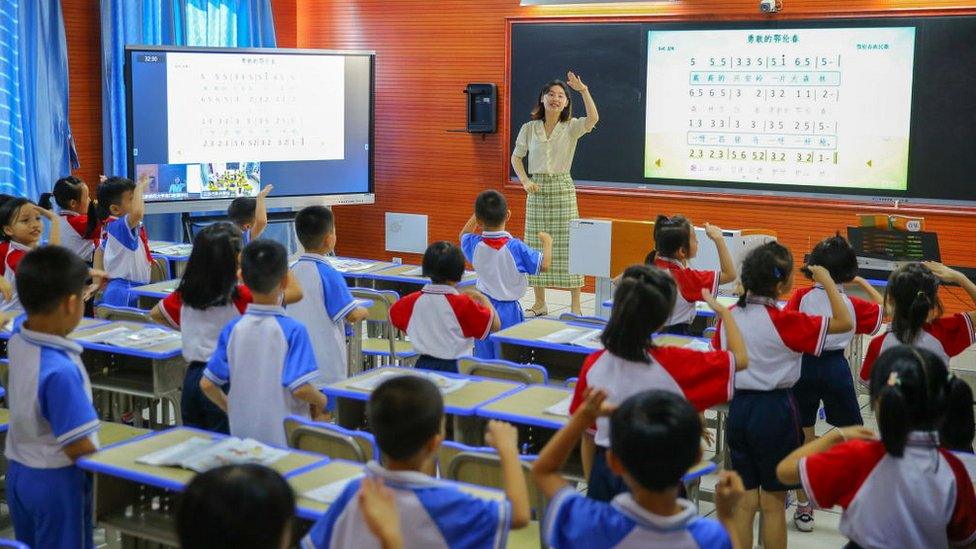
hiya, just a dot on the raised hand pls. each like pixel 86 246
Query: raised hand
pixel 712 231
pixel 575 82
pixel 713 303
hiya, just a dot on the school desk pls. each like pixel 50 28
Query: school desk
pixel 701 308
pixel 150 294
pixel 460 404
pixel 155 372
pixel 522 344
pixel 5 333
pixel 406 279
pixel 176 254
pixel 139 501
pixel 527 406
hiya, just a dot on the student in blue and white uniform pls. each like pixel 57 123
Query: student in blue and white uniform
pixel 20 221
pixel 501 260
pixel 208 297
pixel 406 414
pixel 124 250
pixel 250 214
pixel 52 420
pixel 327 304
pixel 655 438
pixel 265 356
pixel 441 322
pixel 763 424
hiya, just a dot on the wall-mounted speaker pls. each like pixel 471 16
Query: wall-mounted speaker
pixel 482 108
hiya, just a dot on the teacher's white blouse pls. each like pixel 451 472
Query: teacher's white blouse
pixel 549 155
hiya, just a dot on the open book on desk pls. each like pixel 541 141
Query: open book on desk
pixel 444 384
pixel 201 454
pixel 349 265
pixel 138 338
pixel 583 337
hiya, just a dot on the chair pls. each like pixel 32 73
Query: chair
pixel 159 270
pixel 13 544
pixel 110 312
pixel 571 382
pixel 482 466
pixel 330 440
pixel 593 321
pixel 387 345
pixel 503 369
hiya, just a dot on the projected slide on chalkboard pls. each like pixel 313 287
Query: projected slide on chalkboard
pixel 826 107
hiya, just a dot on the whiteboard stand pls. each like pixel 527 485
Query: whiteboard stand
pixel 589 255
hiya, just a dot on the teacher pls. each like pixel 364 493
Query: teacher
pixel 550 139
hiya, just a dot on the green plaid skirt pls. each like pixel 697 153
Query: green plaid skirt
pixel 550 210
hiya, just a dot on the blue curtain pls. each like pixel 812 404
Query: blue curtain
pixel 219 23
pixel 35 138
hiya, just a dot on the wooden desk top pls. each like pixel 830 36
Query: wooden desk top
pixel 120 460
pixel 463 401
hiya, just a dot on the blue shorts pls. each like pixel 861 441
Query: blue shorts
pixel 427 362
pixel 603 484
pixel 763 428
pixel 195 408
pixel 50 508
pixel 509 313
pixel 117 293
pixel 827 378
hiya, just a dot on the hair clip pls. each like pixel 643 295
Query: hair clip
pixel 920 293
pixel 777 272
pixel 893 379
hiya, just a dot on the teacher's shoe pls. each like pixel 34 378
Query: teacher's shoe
pixel 533 313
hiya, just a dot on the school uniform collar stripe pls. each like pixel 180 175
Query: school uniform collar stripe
pixel 443 289
pixel 805 482
pixel 923 439
pixel 314 257
pixel 49 340
pixel 819 286
pixel 66 213
pixel 402 479
pixel 760 300
pixel 14 245
pixel 668 260
pixel 495 234
pixel 265 310
pixel 626 504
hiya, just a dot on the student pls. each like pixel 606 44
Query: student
pixel 52 420
pixel 502 261
pixel 655 439
pixel 207 298
pixel 250 214
pixel 22 229
pixel 441 322
pixel 763 426
pixel 901 491
pixel 959 429
pixel 244 506
pixel 124 250
pixel 912 296
pixel 631 363
pixel 327 304
pixel 80 232
pixel 407 417
pixel 675 244
pixel 265 356
pixel 827 377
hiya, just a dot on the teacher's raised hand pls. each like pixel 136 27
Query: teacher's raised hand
pixel 575 82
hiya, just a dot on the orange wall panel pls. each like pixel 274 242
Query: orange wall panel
pixel 427 52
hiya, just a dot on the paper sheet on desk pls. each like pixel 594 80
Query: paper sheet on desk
pixel 444 384
pixel 349 265
pixel 583 337
pixel 200 454
pixel 331 491
pixel 698 345
pixel 174 249
pixel 560 408
pixel 122 336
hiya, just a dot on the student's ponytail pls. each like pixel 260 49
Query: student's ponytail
pixel 909 391
pixel 892 417
pixel 959 428
pixel 671 235
pixel 93 220
pixel 913 291
pixel 45 201
pixel 642 303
